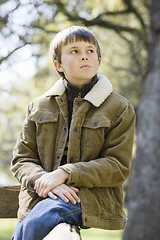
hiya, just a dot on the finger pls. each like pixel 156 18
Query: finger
pixel 42 189
pixel 38 186
pixel 74 189
pixel 75 196
pixel 39 190
pixel 51 195
pixel 46 188
pixel 45 192
pixel 70 193
pixel 59 191
pixel 71 196
pixel 35 186
pixel 66 193
pixel 63 197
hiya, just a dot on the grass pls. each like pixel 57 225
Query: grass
pixel 7 227
pixel 98 234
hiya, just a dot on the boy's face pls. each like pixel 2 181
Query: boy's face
pixel 79 62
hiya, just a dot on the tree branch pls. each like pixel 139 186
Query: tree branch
pixel 3 1
pixel 135 56
pixel 132 9
pixel 98 21
pixel 4 58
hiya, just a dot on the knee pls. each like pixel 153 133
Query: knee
pixel 34 229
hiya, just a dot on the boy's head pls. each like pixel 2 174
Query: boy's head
pixel 70 35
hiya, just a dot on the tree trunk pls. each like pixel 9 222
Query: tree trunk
pixel 144 194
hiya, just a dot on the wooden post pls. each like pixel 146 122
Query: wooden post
pixel 9 201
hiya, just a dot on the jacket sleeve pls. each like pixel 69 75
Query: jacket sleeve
pixel 113 166
pixel 26 165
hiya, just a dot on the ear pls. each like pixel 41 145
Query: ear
pixel 58 66
pixel 99 60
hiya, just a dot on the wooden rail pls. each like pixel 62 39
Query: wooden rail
pixel 9 206
pixel 9 201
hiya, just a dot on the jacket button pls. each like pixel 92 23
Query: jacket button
pixel 75 129
pixel 85 219
pixel 32 185
pixel 95 124
pixel 78 104
pixel 71 159
pixel 58 156
pixel 41 118
pixel 65 129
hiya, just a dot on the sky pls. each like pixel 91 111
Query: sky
pixel 21 64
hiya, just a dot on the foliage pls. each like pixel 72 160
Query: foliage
pixel 129 20
pixel 91 234
pixel 26 29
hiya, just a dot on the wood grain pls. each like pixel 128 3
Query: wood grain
pixel 9 201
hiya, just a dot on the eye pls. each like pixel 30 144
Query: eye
pixel 74 51
pixel 90 50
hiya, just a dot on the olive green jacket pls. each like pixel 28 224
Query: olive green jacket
pixel 99 150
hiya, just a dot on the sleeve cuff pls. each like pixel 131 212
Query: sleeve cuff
pixel 67 169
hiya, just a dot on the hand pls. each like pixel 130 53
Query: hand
pixel 66 193
pixel 49 181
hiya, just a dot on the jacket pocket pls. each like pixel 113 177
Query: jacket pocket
pixel 93 136
pixel 95 123
pixel 46 127
pixel 45 122
pixel 41 117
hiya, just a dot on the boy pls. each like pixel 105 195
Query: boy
pixel 75 148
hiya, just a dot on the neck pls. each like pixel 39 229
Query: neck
pixel 74 90
pixel 79 85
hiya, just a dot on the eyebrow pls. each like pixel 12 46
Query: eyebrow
pixel 86 47
pixel 73 47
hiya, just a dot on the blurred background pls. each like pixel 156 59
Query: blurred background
pixel 128 32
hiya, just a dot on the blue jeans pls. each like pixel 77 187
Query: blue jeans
pixel 45 216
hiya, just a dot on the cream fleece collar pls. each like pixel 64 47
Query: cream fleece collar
pixel 97 95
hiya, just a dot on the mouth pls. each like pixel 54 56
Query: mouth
pixel 85 67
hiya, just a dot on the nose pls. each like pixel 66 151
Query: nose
pixel 84 57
